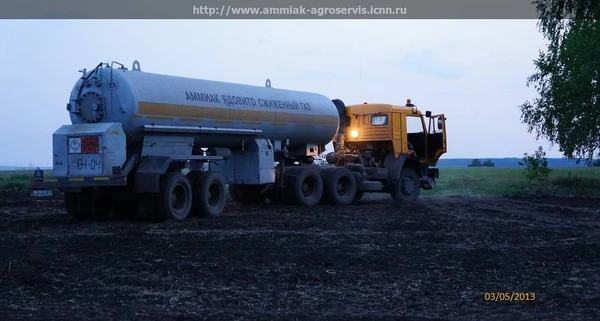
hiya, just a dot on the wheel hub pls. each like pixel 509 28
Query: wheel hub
pixel 308 187
pixel 409 186
pixel 214 195
pixel 178 198
pixel 342 186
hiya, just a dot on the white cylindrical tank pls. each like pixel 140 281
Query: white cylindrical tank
pixel 135 98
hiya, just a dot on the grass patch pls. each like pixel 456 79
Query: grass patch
pixel 18 179
pixel 510 182
pixel 15 179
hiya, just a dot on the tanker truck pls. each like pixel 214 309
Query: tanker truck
pixel 174 147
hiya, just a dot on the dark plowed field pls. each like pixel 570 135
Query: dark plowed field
pixel 434 260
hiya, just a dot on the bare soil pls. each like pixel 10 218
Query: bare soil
pixel 433 260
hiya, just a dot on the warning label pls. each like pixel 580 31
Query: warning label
pixel 74 145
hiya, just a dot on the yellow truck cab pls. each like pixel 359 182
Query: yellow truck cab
pixel 394 148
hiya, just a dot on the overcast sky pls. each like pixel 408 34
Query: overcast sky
pixel 473 71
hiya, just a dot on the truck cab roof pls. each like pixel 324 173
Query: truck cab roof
pixel 372 108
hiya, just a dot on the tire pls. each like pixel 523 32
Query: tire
pixel 339 186
pixel 408 187
pixel 72 206
pixel 175 187
pixel 305 186
pixel 209 194
pixel 84 206
pixel 325 173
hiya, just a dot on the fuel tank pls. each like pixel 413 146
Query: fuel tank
pixel 135 98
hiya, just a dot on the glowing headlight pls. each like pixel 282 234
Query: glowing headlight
pixel 354 133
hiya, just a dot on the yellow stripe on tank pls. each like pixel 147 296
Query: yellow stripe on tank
pixel 201 113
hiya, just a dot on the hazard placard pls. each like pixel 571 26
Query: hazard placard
pixel 75 145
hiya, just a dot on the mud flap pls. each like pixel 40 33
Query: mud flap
pixel 147 177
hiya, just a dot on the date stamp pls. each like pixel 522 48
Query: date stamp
pixel 509 296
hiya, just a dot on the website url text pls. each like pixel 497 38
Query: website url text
pixel 227 10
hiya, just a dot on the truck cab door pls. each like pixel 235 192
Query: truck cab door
pixel 436 138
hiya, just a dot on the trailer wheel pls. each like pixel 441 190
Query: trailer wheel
pixel 85 205
pixel 72 206
pixel 339 186
pixel 408 187
pixel 175 201
pixel 306 186
pixel 209 194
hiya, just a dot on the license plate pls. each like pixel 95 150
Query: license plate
pixel 41 193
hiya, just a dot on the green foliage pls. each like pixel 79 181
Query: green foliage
pixel 477 163
pixel 567 75
pixel 536 165
pixel 15 180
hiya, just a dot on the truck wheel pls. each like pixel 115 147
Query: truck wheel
pixel 408 187
pixel 306 186
pixel 339 186
pixel 175 201
pixel 209 194
pixel 325 173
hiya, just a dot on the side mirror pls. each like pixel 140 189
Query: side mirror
pixel 439 123
pixel 428 114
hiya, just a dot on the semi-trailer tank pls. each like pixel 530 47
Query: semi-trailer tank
pixel 134 134
pixel 137 99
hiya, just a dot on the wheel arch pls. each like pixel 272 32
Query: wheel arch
pixel 395 165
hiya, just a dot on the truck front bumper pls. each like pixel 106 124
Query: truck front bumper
pixel 428 182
